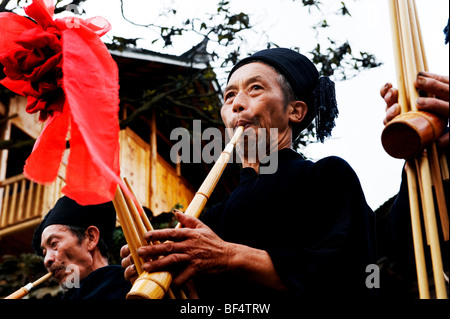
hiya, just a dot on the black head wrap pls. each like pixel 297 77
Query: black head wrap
pixel 68 212
pixel 317 92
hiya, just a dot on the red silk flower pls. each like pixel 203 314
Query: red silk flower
pixel 68 75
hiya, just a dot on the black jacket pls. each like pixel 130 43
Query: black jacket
pixel 312 219
pixel 104 283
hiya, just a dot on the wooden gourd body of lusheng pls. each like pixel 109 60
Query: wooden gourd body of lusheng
pixel 408 134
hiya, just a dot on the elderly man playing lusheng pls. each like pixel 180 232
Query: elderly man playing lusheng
pixel 304 230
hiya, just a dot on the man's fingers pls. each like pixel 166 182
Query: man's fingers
pixel 188 221
pixel 433 105
pixel 391 113
pixel 166 248
pixel 391 97
pixel 127 261
pixel 437 85
pixel 124 251
pixel 131 273
pixel 440 78
pixel 165 263
pixel 384 89
pixel 172 234
pixel 184 276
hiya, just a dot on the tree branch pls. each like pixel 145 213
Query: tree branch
pixel 195 110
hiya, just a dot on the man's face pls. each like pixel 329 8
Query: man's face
pixel 254 99
pixel 61 248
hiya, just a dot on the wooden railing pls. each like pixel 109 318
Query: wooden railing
pixel 22 200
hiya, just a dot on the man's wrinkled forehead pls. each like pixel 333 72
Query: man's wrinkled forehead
pixel 53 231
pixel 250 73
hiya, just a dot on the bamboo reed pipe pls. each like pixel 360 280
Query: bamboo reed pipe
pixel 156 282
pixel 129 230
pixel 22 292
pixel 398 56
pixel 409 56
pixel 135 217
pixel 419 32
pixel 421 62
pixel 432 230
pixel 156 285
pixel 135 210
pixel 409 133
pixel 439 191
pixel 201 197
pixel 415 33
pixel 422 278
pixel 444 167
pixel 422 199
pixel 145 220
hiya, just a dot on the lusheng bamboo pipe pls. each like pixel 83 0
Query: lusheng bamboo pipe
pixel 22 292
pixel 197 204
pixel 144 225
pixel 416 227
pixel 129 216
pixel 409 135
pixel 156 285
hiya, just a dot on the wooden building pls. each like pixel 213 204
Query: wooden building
pixel 159 184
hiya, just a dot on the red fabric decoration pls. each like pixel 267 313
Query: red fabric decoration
pixel 68 75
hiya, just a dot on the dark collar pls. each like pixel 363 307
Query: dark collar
pixel 248 174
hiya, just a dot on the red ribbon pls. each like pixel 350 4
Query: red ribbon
pixel 68 75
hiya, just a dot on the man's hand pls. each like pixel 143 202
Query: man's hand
pixel 437 88
pixel 195 250
pixel 187 252
pixel 131 273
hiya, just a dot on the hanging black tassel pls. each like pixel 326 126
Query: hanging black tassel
pixel 446 31
pixel 325 106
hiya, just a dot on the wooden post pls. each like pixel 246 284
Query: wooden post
pixel 153 163
pixel 21 204
pixel 5 207
pixel 5 134
pixel 29 200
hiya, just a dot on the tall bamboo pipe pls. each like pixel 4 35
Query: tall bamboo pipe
pixel 156 285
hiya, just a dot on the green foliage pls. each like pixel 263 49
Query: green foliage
pixel 228 29
pixel 17 271
pixel 340 62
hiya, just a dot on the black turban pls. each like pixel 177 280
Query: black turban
pixel 317 92
pixel 68 212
